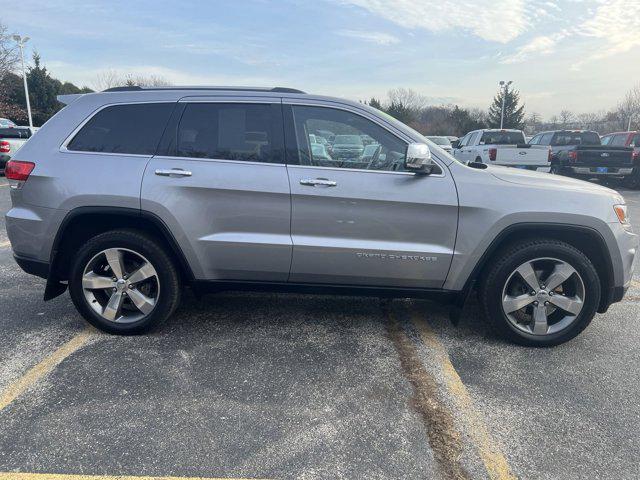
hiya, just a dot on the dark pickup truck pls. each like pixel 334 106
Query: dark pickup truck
pixel 579 153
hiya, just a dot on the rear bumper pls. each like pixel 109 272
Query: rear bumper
pixel 32 266
pixel 611 171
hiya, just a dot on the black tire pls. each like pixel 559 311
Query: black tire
pixel 140 243
pixel 496 276
pixel 632 181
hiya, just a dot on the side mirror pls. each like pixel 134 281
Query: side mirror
pixel 418 159
pixel 455 144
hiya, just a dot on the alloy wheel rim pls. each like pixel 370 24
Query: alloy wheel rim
pixel 543 296
pixel 120 285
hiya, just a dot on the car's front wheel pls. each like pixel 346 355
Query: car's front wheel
pixel 124 282
pixel 541 293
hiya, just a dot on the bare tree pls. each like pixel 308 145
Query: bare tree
pixel 112 78
pixel 8 52
pixel 107 79
pixel 532 122
pixel 629 108
pixel 566 117
pixel 408 98
pixel 146 80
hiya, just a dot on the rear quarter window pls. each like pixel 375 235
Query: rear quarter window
pixel 127 129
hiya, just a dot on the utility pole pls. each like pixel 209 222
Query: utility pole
pixel 503 87
pixel 21 41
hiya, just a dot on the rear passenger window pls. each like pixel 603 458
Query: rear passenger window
pixel 546 138
pixel 127 129
pixel 229 132
pixel 619 140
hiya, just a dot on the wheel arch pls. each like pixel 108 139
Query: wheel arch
pixel 84 222
pixel 585 239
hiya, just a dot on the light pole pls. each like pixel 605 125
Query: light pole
pixel 503 86
pixel 21 41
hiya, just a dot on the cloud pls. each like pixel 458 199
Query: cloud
pixel 87 75
pixel 378 38
pixel 493 20
pixel 617 23
pixel 541 45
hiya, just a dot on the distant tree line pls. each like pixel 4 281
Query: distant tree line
pixel 416 111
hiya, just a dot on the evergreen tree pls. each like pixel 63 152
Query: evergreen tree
pixel 401 112
pixel 42 92
pixel 513 112
pixel 375 103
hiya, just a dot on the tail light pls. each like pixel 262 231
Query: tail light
pixel 493 153
pixel 573 156
pixel 18 171
pixel 635 156
pixel 4 146
pixel 549 156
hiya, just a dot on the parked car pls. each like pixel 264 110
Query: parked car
pixel 11 139
pixel 6 123
pixel 579 153
pixel 627 139
pixel 347 147
pixel 443 142
pixel 124 196
pixel 502 147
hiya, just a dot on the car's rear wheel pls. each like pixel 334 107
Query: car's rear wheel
pixel 124 282
pixel 541 293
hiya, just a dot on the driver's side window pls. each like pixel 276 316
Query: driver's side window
pixel 328 137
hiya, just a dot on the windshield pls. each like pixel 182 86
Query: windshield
pixel 5 122
pixel 15 133
pixel 502 138
pixel 440 141
pixel 576 138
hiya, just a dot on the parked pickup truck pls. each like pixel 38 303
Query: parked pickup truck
pixel 579 153
pixel 501 147
pixel 627 139
pixel 11 139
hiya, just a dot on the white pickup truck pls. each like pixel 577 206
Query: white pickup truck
pixel 502 147
pixel 11 139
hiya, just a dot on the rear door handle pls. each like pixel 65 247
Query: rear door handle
pixel 174 172
pixel 318 181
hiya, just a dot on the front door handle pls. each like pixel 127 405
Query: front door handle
pixel 174 172
pixel 318 181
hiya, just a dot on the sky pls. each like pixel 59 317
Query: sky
pixel 577 55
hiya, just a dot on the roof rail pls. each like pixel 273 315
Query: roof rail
pixel 132 88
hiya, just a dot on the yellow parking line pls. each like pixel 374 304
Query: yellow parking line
pixel 635 283
pixel 493 459
pixel 5 244
pixel 18 387
pixel 58 476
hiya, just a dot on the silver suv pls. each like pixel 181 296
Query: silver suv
pixel 124 196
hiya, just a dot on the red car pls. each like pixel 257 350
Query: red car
pixel 627 139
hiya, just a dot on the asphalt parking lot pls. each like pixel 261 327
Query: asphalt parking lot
pixel 242 385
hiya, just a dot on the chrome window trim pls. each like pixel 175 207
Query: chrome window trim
pixel 217 160
pixel 63 148
pixel 367 116
pixel 391 172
